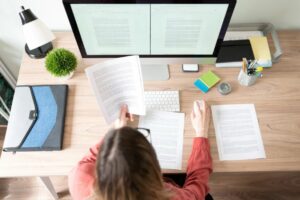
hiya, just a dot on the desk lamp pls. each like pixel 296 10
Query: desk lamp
pixel 37 36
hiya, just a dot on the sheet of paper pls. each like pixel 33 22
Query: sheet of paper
pixel 167 130
pixel 117 82
pixel 237 132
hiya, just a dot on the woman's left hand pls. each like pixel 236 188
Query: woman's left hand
pixel 123 118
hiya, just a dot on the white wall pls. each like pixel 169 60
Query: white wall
pixel 11 40
pixel 50 12
pixel 284 14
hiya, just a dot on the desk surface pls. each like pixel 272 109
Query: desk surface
pixel 276 97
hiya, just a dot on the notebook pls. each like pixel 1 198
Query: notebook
pixel 37 118
pixel 232 53
pixel 261 51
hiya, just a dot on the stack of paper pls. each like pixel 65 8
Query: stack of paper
pixel 206 81
pixel 237 132
pixel 261 51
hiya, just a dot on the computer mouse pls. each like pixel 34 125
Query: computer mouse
pixel 198 105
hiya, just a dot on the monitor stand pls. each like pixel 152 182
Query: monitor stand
pixel 155 72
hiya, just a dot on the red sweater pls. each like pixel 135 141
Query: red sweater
pixel 82 177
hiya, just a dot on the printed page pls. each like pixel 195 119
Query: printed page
pixel 167 130
pixel 237 132
pixel 117 82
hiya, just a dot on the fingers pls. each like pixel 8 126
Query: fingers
pixel 203 106
pixel 123 112
pixel 204 103
pixel 192 115
pixel 206 113
pixel 130 116
pixel 200 107
pixel 196 108
pixel 206 108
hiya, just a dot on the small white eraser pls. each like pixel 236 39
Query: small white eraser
pixel 190 67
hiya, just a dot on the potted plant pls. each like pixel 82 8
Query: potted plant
pixel 61 63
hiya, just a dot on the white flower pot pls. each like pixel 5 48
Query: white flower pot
pixel 65 78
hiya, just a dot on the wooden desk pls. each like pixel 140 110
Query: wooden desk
pixel 276 97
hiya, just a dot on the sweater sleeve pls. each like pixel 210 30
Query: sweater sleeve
pixel 198 170
pixel 81 178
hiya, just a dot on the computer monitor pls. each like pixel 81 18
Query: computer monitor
pixel 161 32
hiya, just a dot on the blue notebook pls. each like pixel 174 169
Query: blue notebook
pixel 37 118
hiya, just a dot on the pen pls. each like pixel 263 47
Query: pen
pixel 244 64
pixel 251 72
pixel 252 64
pixel 258 74
pixel 259 69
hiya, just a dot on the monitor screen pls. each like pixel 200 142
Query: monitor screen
pixel 148 29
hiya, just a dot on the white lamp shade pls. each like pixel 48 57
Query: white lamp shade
pixel 37 34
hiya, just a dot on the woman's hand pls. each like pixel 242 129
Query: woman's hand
pixel 200 118
pixel 123 118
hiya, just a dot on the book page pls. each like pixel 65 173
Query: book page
pixel 167 130
pixel 237 132
pixel 117 82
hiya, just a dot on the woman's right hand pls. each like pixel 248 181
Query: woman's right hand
pixel 200 117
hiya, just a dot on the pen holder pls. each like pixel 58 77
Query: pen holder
pixel 245 79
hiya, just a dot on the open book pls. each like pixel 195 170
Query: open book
pixel 117 82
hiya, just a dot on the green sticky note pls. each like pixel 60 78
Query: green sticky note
pixel 209 78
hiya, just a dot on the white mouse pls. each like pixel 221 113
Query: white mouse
pixel 200 105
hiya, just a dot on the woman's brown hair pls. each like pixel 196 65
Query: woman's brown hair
pixel 127 168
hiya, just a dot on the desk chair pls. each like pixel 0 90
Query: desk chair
pixel 179 179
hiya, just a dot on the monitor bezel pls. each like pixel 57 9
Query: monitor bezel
pixel 225 24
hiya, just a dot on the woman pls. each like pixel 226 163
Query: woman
pixel 124 165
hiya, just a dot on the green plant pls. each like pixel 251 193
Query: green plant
pixel 60 62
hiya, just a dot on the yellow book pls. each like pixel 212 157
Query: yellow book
pixel 261 50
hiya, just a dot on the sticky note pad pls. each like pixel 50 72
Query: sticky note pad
pixel 209 79
pixel 201 86
pixel 206 81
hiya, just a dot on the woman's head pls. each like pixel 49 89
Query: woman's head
pixel 127 167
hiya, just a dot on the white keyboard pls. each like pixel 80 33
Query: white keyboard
pixel 162 100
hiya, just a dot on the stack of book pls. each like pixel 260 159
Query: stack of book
pixel 255 48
